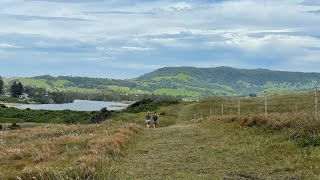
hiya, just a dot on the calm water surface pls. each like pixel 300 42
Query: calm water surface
pixel 77 105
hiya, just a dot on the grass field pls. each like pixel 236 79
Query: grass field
pixel 124 90
pixel 57 85
pixel 30 82
pixel 180 76
pixel 177 92
pixel 215 148
pixel 282 145
pixel 60 83
pixel 60 151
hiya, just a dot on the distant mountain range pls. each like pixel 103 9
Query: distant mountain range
pixel 187 82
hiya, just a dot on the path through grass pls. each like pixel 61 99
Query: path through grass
pixel 214 150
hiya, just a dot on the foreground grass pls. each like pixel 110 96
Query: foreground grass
pixel 215 150
pixel 225 148
pixel 184 147
pixel 61 151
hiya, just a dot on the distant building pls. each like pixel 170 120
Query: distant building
pixel 7 94
pixel 24 96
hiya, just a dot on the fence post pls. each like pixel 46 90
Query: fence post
pixel 316 103
pixel 201 115
pixel 222 110
pixel 239 107
pixel 194 116
pixel 210 112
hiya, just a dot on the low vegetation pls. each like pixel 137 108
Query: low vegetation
pixel 61 151
pixel 151 104
pixel 232 147
pixel 13 115
pixel 282 145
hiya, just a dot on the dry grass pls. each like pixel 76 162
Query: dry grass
pixel 15 153
pixel 61 151
pixel 303 121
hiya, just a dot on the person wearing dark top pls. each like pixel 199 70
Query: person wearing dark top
pixel 155 119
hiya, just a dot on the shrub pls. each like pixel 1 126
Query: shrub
pixel 244 121
pixel 100 116
pixel 150 104
pixel 308 141
pixel 14 126
pixel 3 106
pixel 256 121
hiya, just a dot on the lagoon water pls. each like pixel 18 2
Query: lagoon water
pixel 77 105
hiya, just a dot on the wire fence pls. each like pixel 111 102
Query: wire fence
pixel 305 101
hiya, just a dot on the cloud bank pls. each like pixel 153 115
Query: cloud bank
pixel 124 39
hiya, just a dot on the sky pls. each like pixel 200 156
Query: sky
pixel 127 38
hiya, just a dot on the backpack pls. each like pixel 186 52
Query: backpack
pixel 155 117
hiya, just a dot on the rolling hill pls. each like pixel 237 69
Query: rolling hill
pixel 186 82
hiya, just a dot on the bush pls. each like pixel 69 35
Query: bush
pixel 309 141
pixel 162 113
pixel 3 106
pixel 256 121
pixel 102 115
pixel 244 121
pixel 14 126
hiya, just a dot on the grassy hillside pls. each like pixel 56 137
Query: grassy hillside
pixel 186 82
pixel 228 81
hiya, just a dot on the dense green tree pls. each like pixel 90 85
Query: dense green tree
pixel 38 95
pixel 16 89
pixel 1 85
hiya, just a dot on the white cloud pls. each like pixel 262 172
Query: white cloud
pixel 170 32
pixel 5 45
pixel 144 66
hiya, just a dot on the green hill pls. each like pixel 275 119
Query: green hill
pixel 229 81
pixel 186 82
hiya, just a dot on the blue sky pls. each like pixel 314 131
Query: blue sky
pixel 127 38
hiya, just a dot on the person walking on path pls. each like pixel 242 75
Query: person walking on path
pixel 148 119
pixel 155 119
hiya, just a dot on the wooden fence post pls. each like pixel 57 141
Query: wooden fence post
pixel 210 112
